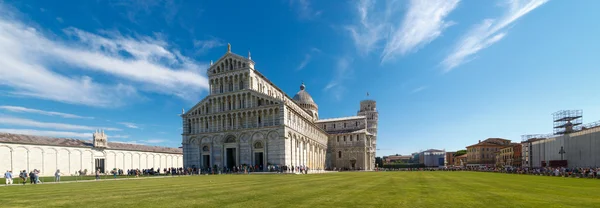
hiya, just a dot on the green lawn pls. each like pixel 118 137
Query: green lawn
pixel 373 189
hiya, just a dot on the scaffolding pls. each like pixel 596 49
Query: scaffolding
pixel 529 137
pixel 567 121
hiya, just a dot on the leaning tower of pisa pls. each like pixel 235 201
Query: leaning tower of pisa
pixel 368 108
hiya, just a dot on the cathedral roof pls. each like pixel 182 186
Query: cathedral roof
pixel 302 97
pixel 340 119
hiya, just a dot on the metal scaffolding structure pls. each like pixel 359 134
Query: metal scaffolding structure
pixel 536 136
pixel 567 121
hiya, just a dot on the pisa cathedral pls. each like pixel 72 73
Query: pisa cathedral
pixel 247 120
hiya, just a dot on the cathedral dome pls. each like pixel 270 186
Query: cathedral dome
pixel 305 101
pixel 302 97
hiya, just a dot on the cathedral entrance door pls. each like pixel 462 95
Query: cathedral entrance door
pixel 206 161
pixel 231 157
pixel 258 159
pixel 353 162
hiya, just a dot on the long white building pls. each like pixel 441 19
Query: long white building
pixel 248 120
pixel 27 152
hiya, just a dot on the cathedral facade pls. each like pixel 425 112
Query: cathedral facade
pixel 247 120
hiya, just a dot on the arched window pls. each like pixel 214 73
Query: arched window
pixel 350 137
pixel 230 86
pixel 244 65
pixel 340 154
pixel 259 120
pixel 241 85
pixel 344 125
pixel 344 138
pixel 338 139
pixel 221 88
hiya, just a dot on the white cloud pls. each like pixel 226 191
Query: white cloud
pixel 488 32
pixel 42 112
pixel 379 26
pixel 31 123
pixel 66 134
pixel 130 125
pixel 304 9
pixel 202 46
pixel 60 20
pixel 31 60
pixel 423 23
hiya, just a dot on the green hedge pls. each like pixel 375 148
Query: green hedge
pixel 404 165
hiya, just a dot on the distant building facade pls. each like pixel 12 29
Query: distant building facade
pixel 449 158
pixel 26 152
pixel 433 157
pixel 580 149
pixel 484 152
pixel 510 156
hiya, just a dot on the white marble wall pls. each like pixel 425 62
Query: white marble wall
pixel 47 159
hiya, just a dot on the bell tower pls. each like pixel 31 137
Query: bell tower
pixel 100 139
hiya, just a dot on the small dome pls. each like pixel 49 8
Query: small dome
pixel 302 97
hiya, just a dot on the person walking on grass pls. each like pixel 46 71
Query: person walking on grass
pixel 98 174
pixel 8 177
pixel 57 176
pixel 23 176
pixel 31 177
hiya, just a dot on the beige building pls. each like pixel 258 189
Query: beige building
pixel 247 120
pixel 484 152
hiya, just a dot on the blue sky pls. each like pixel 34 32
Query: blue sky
pixel 445 73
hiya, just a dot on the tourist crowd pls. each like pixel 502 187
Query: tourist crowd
pixel 589 172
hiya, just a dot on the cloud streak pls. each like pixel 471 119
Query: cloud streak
pixel 307 58
pixel 130 125
pixel 62 126
pixel 30 60
pixel 304 9
pixel 418 89
pixel 343 71
pixel 379 30
pixel 423 23
pixel 66 134
pixel 20 109
pixel 488 32
pixel 203 46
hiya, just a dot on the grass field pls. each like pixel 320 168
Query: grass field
pixel 372 189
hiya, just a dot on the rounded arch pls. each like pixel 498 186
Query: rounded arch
pixel 230 139
pixel 258 136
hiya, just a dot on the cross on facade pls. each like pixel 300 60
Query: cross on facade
pixel 561 152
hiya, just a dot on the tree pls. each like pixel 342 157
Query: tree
pixel 379 161
pixel 460 152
